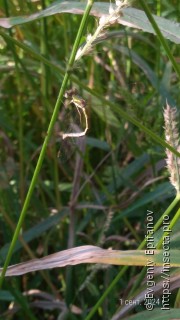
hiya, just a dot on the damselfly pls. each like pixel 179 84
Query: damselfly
pixel 72 135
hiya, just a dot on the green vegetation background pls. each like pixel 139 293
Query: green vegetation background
pixel 101 200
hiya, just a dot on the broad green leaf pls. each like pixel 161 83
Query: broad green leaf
pixel 158 193
pixel 6 296
pixel 150 74
pixel 131 17
pixel 96 143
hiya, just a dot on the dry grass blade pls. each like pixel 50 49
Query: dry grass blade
pixel 41 300
pixel 91 254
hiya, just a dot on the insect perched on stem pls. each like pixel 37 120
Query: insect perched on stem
pixel 80 105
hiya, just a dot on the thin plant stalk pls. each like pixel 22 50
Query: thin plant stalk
pixel 160 36
pixel 16 57
pixel 171 226
pixel 159 222
pixel 44 68
pixel 19 108
pixel 56 179
pixel 172 137
pixel 29 252
pixel 141 246
pixel 47 138
pixel 124 269
pixel 104 101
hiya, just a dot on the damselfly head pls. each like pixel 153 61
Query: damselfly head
pixel 70 93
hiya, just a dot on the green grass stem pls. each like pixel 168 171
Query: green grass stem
pixel 124 269
pixel 47 139
pixel 104 101
pixel 160 36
